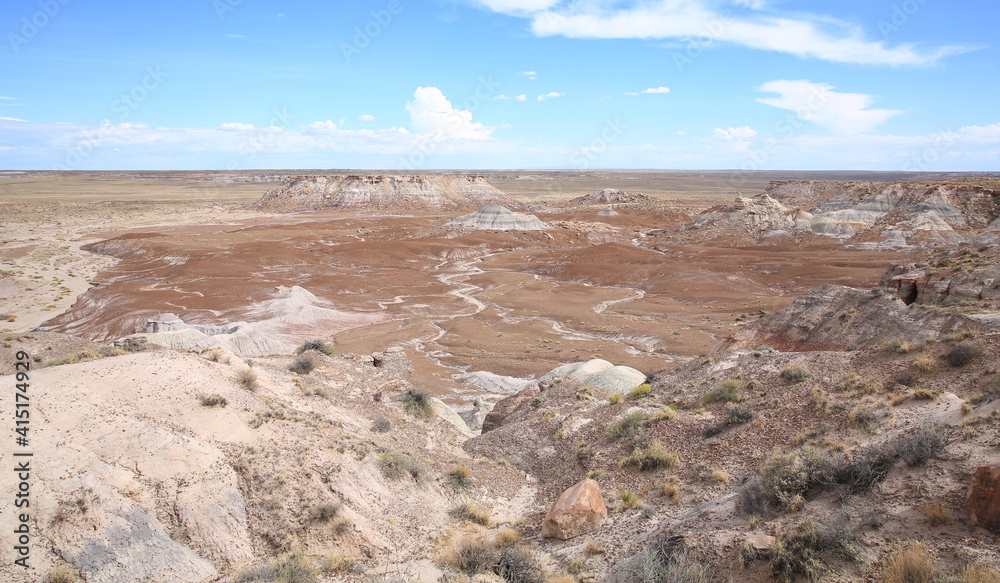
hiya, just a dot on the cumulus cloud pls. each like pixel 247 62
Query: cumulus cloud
pixel 843 113
pixel 754 24
pixel 366 118
pixel 732 133
pixel 503 97
pixel 550 95
pixel 529 74
pixel 432 113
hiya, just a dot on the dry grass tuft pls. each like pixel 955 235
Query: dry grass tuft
pixel 507 537
pixel 909 564
pixel 935 513
pixel 615 398
pixel 213 400
pixel 652 457
pixel 730 391
pixel 925 364
pixel 896 345
pixel 247 379
pixel 591 548
pixel 472 513
pixel 641 392
pixel 795 373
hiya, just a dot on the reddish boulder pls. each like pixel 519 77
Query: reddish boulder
pixel 577 511
pixel 984 497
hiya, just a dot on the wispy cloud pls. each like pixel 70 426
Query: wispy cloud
pixel 657 90
pixel 843 113
pixel 732 133
pixel 756 25
pixel 503 97
pixel 8 98
pixel 529 74
pixel 550 95
pixel 366 118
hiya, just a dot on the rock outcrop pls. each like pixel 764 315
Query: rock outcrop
pixel 494 217
pixel 599 374
pixel 610 196
pixel 966 276
pixel 984 497
pixel 577 511
pixel 875 213
pixel 381 192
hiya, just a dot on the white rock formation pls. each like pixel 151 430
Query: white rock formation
pixel 494 217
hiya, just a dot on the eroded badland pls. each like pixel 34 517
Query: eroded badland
pixel 789 376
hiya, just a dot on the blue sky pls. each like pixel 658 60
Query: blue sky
pixel 576 84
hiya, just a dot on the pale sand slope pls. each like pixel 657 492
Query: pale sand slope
pixel 133 479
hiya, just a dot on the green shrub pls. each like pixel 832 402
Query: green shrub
pixel 615 398
pixel 318 346
pixel 397 465
pixel 737 413
pixel 729 391
pixel 625 425
pixel 417 402
pixel 628 499
pixel 640 392
pixel 795 373
pixel 459 475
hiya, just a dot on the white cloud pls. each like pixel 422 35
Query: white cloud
pixel 503 97
pixel 754 25
pixel 732 133
pixel 432 113
pixel 631 93
pixel 529 74
pixel 8 98
pixel 243 127
pixel 366 118
pixel 519 6
pixel 844 113
pixel 550 95
pixel 13 119
pixel 657 90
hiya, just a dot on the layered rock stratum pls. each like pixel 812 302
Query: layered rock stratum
pixel 878 213
pixel 381 192
pixel 494 217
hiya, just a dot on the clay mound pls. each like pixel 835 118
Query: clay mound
pixel 494 217
pixel 293 316
pixel 599 374
pixel 610 196
pixel 381 192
